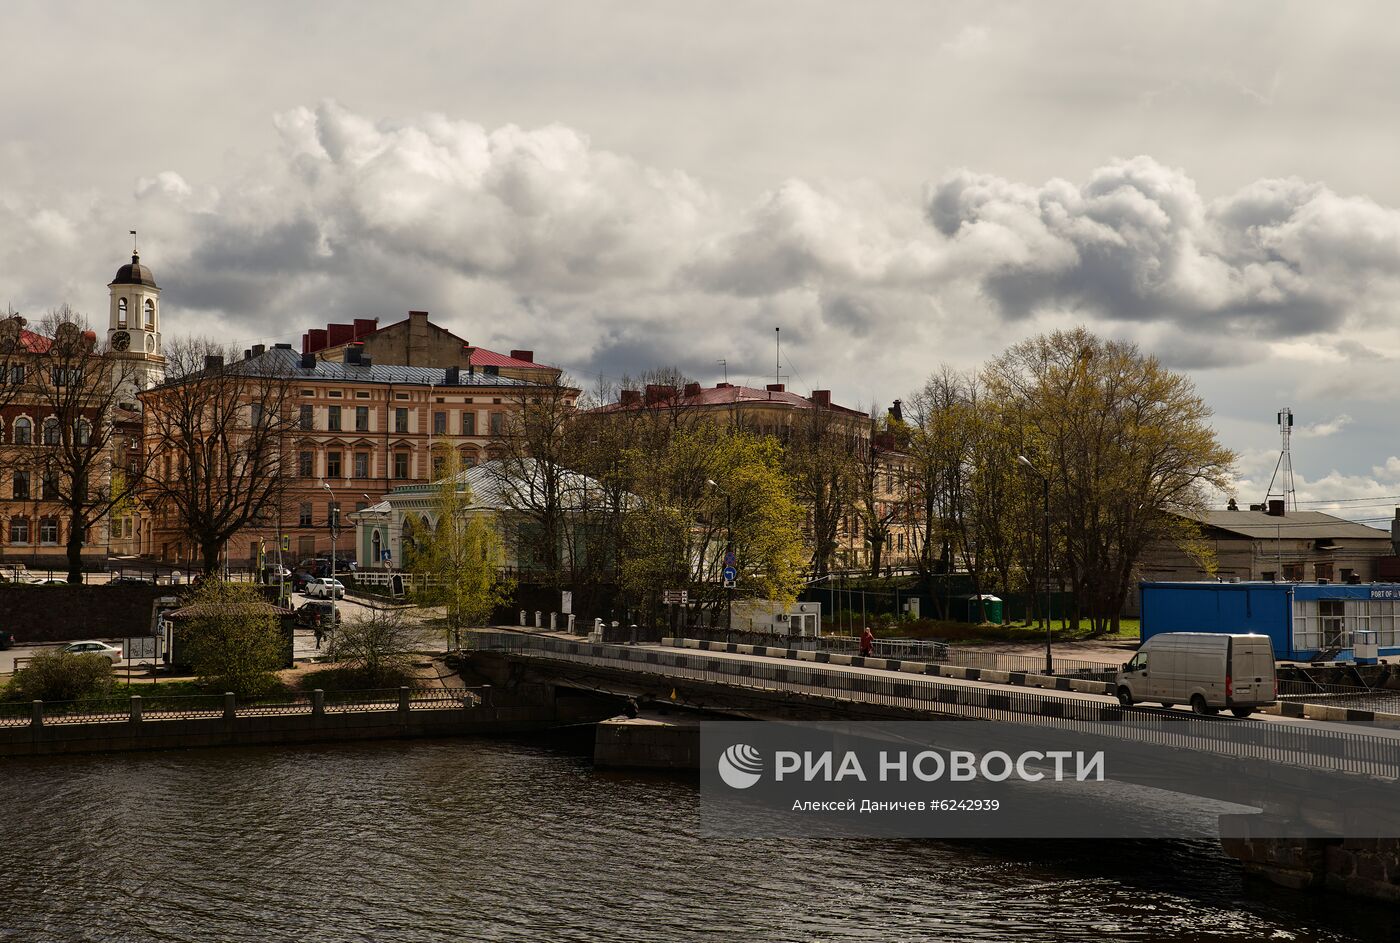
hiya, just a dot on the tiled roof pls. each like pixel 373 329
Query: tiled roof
pixel 33 343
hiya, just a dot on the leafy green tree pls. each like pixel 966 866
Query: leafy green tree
pixel 707 488
pixel 460 556
pixel 234 638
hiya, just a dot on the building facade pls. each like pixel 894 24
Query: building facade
pixel 357 429
pixel 775 411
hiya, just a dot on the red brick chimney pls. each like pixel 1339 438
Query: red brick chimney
pixel 692 389
pixel 777 388
pixel 822 398
pixel 526 355
pixel 659 393
pixel 630 398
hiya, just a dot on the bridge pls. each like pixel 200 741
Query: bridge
pixel 1271 762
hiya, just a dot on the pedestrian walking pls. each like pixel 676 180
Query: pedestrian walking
pixel 316 628
pixel 867 640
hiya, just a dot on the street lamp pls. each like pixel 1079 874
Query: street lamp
pixel 334 516
pixel 1045 539
pixel 728 549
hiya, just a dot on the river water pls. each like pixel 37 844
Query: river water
pixel 484 840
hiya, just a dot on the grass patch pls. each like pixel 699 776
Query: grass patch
pixel 347 678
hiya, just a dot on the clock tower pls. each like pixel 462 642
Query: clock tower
pixel 133 330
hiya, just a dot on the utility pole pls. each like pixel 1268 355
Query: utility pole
pixel 1045 539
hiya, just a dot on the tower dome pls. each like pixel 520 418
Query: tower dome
pixel 134 274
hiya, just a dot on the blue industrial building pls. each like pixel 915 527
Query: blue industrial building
pixel 1303 620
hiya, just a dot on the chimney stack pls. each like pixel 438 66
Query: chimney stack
pixel 659 393
pixel 308 361
pixel 526 355
pixel 692 389
pixel 634 397
pixel 354 353
pixel 822 398
pixel 1275 508
pixel 453 377
pixel 213 361
pixel 777 388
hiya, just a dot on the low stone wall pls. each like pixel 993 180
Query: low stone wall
pixel 37 614
pixel 1363 867
pixel 647 743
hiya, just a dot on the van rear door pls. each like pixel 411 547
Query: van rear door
pixel 1252 669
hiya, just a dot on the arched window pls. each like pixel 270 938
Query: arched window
pixel 150 315
pixel 83 432
pixel 52 435
pixel 121 312
pixel 24 432
pixel 19 530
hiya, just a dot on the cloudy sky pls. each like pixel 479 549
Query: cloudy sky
pixel 621 185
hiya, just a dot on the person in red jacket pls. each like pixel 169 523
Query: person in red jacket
pixel 867 639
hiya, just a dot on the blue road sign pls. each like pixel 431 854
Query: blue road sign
pixel 730 574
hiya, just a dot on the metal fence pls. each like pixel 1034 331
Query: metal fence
pixel 925 650
pixel 1315 748
pixel 195 706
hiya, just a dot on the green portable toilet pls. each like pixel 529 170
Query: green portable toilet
pixel 990 608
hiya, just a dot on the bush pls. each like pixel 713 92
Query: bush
pixel 62 676
pixel 376 647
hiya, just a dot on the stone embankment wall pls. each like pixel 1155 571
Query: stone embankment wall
pixel 37 614
pixel 1364 867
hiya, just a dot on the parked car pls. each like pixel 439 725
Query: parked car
pixel 130 580
pixel 272 573
pixel 94 648
pixel 1208 670
pixel 327 610
pixel 325 588
pixel 7 639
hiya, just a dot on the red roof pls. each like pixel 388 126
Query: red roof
pixel 727 394
pixel 33 343
pixel 481 357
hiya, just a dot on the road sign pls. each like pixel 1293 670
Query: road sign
pixel 675 597
pixel 730 574
pixel 731 584
pixel 731 559
pixel 385 555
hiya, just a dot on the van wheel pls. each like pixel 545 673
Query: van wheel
pixel 1198 705
pixel 1125 697
pixel 1241 711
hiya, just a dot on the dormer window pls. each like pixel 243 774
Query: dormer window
pixel 121 312
pixel 150 315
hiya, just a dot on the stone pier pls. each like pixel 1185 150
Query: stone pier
pixel 1363 867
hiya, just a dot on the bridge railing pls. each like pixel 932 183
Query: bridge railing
pixel 930 651
pixel 1330 750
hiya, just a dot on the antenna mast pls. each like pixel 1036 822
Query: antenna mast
pixel 1283 468
pixel 778 356
pixel 724 365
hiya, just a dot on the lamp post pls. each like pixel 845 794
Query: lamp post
pixel 334 517
pixel 728 549
pixel 1045 539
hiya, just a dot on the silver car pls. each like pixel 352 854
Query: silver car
pixel 94 648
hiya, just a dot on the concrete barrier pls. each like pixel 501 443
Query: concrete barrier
pixel 804 655
pixel 993 676
pixel 913 667
pixel 839 659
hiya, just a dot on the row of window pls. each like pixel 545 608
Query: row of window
pixel 360 465
pixel 23 431
pixel 150 311
pixel 335 417
pixel 22 486
pixel 21 531
pixel 18 374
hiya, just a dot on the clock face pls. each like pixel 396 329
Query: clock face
pixel 150 343
pixel 121 341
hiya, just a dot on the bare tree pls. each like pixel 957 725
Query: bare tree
pixel 218 431
pixel 74 388
pixel 823 456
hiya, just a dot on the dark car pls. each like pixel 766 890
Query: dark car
pixel 307 612
pixel 299 581
pixel 7 638
pixel 129 580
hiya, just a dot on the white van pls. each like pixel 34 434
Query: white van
pixel 1207 670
